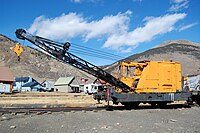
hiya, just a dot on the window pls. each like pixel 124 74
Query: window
pixel 132 70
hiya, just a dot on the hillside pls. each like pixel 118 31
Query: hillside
pixel 35 63
pixel 185 52
pixel 43 67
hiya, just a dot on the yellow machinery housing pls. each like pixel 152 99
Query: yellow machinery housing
pixel 151 76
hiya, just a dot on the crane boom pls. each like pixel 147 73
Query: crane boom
pixel 60 52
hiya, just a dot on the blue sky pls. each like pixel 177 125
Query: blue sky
pixel 121 27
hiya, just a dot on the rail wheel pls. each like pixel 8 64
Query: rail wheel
pixel 198 102
pixel 162 104
pixel 130 105
pixel 153 104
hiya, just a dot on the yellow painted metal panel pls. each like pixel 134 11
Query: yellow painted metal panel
pixel 153 76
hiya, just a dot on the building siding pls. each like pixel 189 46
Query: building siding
pixel 63 88
pixel 5 88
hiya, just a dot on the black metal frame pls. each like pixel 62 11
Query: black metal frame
pixel 60 52
pixel 141 97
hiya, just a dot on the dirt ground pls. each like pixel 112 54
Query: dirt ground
pixel 47 98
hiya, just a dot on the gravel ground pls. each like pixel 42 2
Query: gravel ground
pixel 179 120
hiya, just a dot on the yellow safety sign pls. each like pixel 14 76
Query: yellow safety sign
pixel 18 50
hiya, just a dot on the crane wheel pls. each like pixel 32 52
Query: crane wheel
pixel 130 105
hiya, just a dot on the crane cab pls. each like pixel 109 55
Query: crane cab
pixel 151 76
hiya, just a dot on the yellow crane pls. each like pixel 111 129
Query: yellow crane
pixel 153 82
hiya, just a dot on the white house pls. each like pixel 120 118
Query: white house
pixel 67 84
pixel 48 85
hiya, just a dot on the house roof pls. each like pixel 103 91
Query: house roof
pixel 31 84
pixel 48 81
pixel 22 79
pixel 74 83
pixel 6 74
pixel 64 81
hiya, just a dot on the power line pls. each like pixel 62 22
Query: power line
pixel 93 55
pixel 95 50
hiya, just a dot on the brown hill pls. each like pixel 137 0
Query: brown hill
pixel 35 63
pixel 41 66
pixel 185 52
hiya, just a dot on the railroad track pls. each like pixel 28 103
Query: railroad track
pixel 47 110
pixel 40 110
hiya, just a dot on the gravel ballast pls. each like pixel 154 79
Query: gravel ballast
pixel 178 120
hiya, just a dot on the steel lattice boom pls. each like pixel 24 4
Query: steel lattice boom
pixel 60 52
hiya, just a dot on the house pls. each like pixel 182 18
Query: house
pixel 27 84
pixel 67 84
pixel 19 82
pixel 33 86
pixel 48 85
pixel 83 81
pixel 6 80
